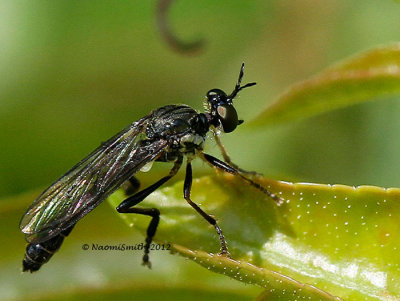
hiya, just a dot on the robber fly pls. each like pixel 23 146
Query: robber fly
pixel 167 134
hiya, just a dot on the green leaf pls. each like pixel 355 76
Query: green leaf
pixel 76 274
pixel 366 76
pixel 279 286
pixel 342 240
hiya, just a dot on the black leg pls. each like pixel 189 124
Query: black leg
pixel 131 186
pixel 151 229
pixel 126 207
pixel 186 193
pixel 227 168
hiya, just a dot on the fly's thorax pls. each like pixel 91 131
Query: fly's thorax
pixel 180 125
pixel 182 145
pixel 186 144
pixel 172 120
pixel 191 142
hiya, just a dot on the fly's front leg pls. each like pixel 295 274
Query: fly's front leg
pixel 127 207
pixel 232 170
pixel 186 193
pixel 228 159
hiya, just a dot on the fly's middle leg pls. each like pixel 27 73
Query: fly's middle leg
pixel 186 193
pixel 127 207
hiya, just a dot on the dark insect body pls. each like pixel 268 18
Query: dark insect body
pixel 167 134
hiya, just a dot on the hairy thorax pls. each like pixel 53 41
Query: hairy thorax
pixel 183 128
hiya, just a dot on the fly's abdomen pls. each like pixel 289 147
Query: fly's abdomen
pixel 37 254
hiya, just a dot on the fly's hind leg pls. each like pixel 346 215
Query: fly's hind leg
pixel 127 207
pixel 151 229
pixel 186 193
pixel 131 186
pixel 228 159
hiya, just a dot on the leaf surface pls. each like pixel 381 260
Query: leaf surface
pixel 329 240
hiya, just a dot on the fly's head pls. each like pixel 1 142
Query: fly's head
pixel 220 106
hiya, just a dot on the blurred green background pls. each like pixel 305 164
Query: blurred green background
pixel 73 73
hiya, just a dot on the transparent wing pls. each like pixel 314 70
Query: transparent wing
pixel 87 184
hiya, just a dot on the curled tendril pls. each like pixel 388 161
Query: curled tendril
pixel 172 40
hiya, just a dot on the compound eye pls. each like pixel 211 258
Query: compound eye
pixel 215 96
pixel 228 117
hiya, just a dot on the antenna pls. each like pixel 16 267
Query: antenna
pixel 238 87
